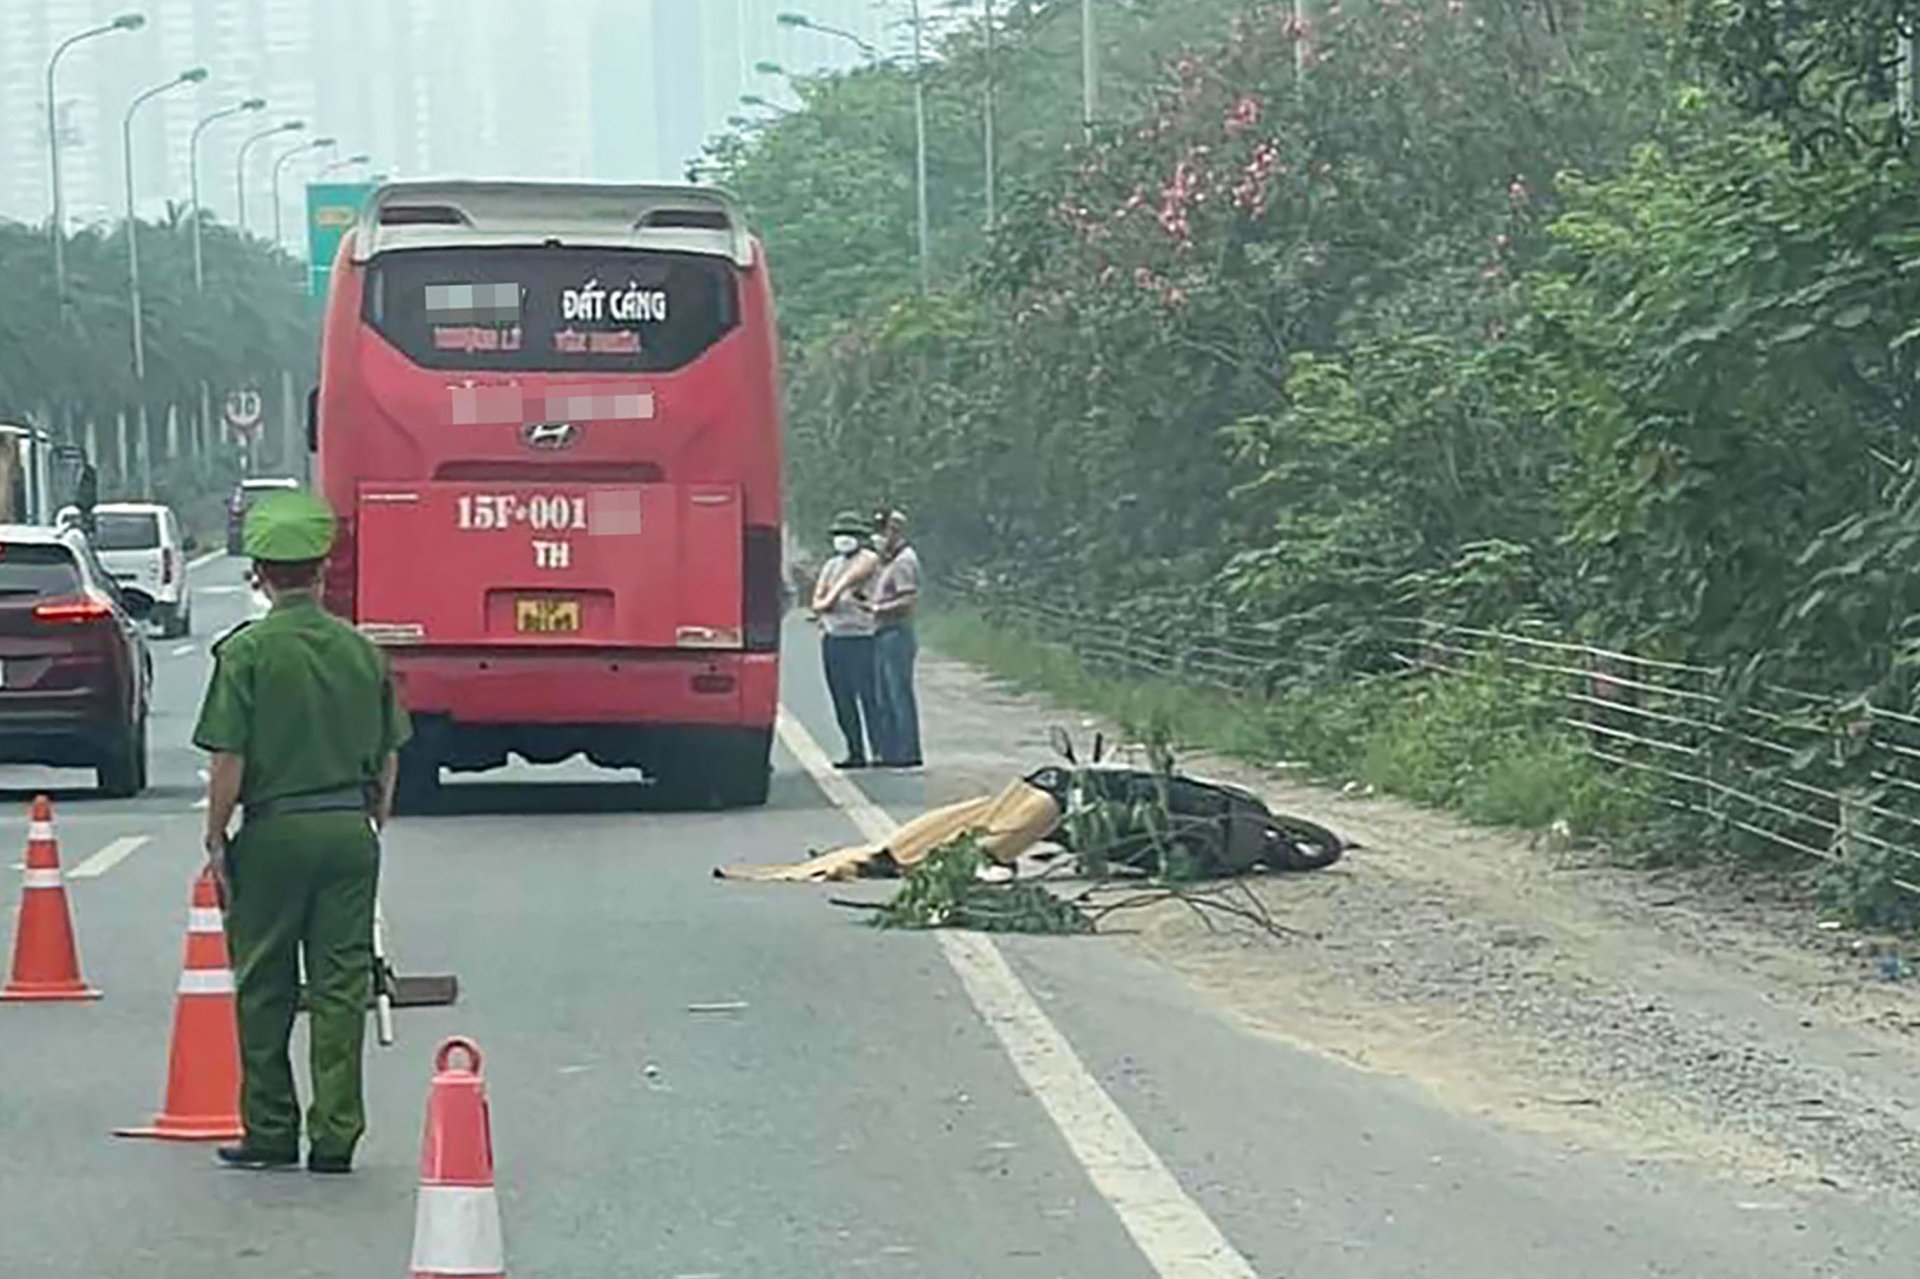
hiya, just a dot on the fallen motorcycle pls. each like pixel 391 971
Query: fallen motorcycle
pixel 1117 815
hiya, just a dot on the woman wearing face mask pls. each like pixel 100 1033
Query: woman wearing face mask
pixel 843 601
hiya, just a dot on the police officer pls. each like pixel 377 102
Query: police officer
pixel 304 730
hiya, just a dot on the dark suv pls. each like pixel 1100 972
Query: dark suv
pixel 75 674
pixel 245 493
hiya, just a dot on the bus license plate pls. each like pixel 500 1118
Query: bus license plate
pixel 547 616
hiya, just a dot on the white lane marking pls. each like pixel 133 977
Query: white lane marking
pixel 1172 1232
pixel 201 561
pixel 225 588
pixel 181 650
pixel 200 805
pixel 109 857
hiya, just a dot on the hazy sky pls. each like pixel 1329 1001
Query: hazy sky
pixel 613 89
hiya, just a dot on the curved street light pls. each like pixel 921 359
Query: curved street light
pixel 806 23
pixel 193 75
pixel 279 167
pixel 345 162
pixel 240 163
pixel 193 176
pixel 125 22
pixel 924 223
pixel 755 100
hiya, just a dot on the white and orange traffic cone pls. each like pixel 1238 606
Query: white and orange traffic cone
pixel 203 1065
pixel 456 1223
pixel 46 962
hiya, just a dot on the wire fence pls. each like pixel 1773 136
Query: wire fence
pixel 1765 769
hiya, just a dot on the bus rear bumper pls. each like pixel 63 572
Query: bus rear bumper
pixel 613 687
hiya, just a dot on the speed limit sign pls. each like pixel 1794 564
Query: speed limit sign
pixel 244 410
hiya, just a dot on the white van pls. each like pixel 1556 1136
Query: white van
pixel 141 545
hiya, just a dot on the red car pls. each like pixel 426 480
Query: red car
pixel 76 678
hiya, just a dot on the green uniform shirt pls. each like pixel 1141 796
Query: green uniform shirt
pixel 305 699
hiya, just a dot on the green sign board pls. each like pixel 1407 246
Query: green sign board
pixel 332 208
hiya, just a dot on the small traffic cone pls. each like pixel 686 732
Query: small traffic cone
pixel 46 963
pixel 456 1222
pixel 203 1067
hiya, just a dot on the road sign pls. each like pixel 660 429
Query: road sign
pixel 332 208
pixel 245 410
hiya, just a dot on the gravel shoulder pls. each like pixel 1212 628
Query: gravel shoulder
pixel 1684 1016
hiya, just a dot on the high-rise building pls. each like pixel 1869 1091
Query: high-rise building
pixel 617 89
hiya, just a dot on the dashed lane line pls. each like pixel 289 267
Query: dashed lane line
pixel 1172 1232
pixel 181 650
pixel 109 857
pixel 201 561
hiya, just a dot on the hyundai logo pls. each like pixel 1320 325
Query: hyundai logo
pixel 549 436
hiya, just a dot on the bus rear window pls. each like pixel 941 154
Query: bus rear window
pixel 550 309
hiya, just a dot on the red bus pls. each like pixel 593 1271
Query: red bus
pixel 549 419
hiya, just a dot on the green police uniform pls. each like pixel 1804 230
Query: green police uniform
pixel 309 705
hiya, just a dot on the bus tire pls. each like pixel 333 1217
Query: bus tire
pixel 743 768
pixel 417 788
pixel 730 770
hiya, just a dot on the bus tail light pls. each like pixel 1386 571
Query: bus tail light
pixel 761 586
pixel 337 583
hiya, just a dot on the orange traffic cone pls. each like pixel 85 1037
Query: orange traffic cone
pixel 203 1068
pixel 456 1222
pixel 46 963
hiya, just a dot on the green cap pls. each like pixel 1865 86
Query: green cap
pixel 850 522
pixel 288 526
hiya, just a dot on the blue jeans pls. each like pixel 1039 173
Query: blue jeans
pixel 895 650
pixel 851 683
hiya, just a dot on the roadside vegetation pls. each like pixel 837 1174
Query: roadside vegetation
pixel 253 322
pixel 1592 319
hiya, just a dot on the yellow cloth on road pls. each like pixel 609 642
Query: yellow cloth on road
pixel 1008 825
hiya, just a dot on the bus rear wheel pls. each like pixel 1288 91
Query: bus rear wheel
pixel 417 789
pixel 731 769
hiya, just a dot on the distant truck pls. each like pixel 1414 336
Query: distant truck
pixel 27 472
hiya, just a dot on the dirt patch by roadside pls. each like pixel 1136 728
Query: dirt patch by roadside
pixel 1666 1015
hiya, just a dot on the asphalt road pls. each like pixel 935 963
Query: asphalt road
pixel 883 1104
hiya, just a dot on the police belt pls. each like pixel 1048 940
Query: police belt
pixel 347 799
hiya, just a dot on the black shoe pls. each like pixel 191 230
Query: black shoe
pixel 850 763
pixel 905 765
pixel 251 1160
pixel 333 1165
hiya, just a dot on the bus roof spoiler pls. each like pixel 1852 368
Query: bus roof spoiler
pixel 450 214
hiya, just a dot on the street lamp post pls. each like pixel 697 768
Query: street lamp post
pixel 920 146
pixel 1089 68
pixel 345 162
pixel 925 228
pixel 988 129
pixel 279 167
pixel 192 76
pixel 240 164
pixel 756 100
pixel 125 22
pixel 193 177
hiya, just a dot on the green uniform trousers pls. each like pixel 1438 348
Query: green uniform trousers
pixel 303 881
